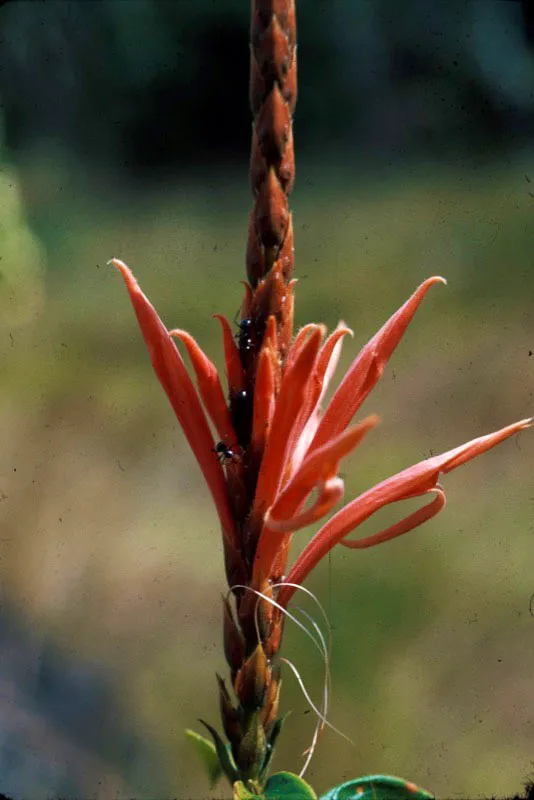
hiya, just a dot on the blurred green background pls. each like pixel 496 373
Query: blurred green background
pixel 126 133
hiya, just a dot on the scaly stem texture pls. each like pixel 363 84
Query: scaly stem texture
pixel 251 631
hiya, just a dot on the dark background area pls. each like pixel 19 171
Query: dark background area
pixel 148 87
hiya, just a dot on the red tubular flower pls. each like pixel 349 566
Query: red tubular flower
pixel 299 448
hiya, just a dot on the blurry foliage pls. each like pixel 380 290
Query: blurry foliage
pixel 21 257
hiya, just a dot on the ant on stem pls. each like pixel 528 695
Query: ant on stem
pixel 225 453
pixel 243 336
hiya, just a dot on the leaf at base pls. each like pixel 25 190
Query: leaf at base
pixel 224 755
pixel 377 787
pixel 207 754
pixel 286 786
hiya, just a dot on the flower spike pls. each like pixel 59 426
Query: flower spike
pixel 275 468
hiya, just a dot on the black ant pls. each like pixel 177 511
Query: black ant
pixel 225 453
pixel 243 336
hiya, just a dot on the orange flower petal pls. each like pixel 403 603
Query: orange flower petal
pixel 330 352
pixel 270 337
pixel 319 470
pixel 326 364
pixel 299 342
pixel 174 378
pixel 289 403
pixel 368 367
pixel 411 482
pixel 234 369
pixel 404 525
pixel 264 401
pixel 209 386
pixel 330 493
pixel 319 466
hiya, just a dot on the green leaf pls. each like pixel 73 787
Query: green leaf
pixel 242 793
pixel 286 786
pixel 224 755
pixel 208 755
pixel 377 787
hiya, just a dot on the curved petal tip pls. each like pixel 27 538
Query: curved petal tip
pixel 342 326
pixel 435 279
pixel 122 267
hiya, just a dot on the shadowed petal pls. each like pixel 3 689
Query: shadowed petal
pixel 174 378
pixel 264 400
pixel 412 482
pixel 234 368
pixel 368 367
pixel 209 386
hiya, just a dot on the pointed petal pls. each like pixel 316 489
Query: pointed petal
pixel 411 482
pixel 270 337
pixel 209 386
pixel 306 426
pixel 179 388
pixel 368 367
pixel 329 355
pixel 234 369
pixel 299 341
pixel 326 365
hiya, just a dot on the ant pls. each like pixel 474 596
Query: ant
pixel 243 336
pixel 225 453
